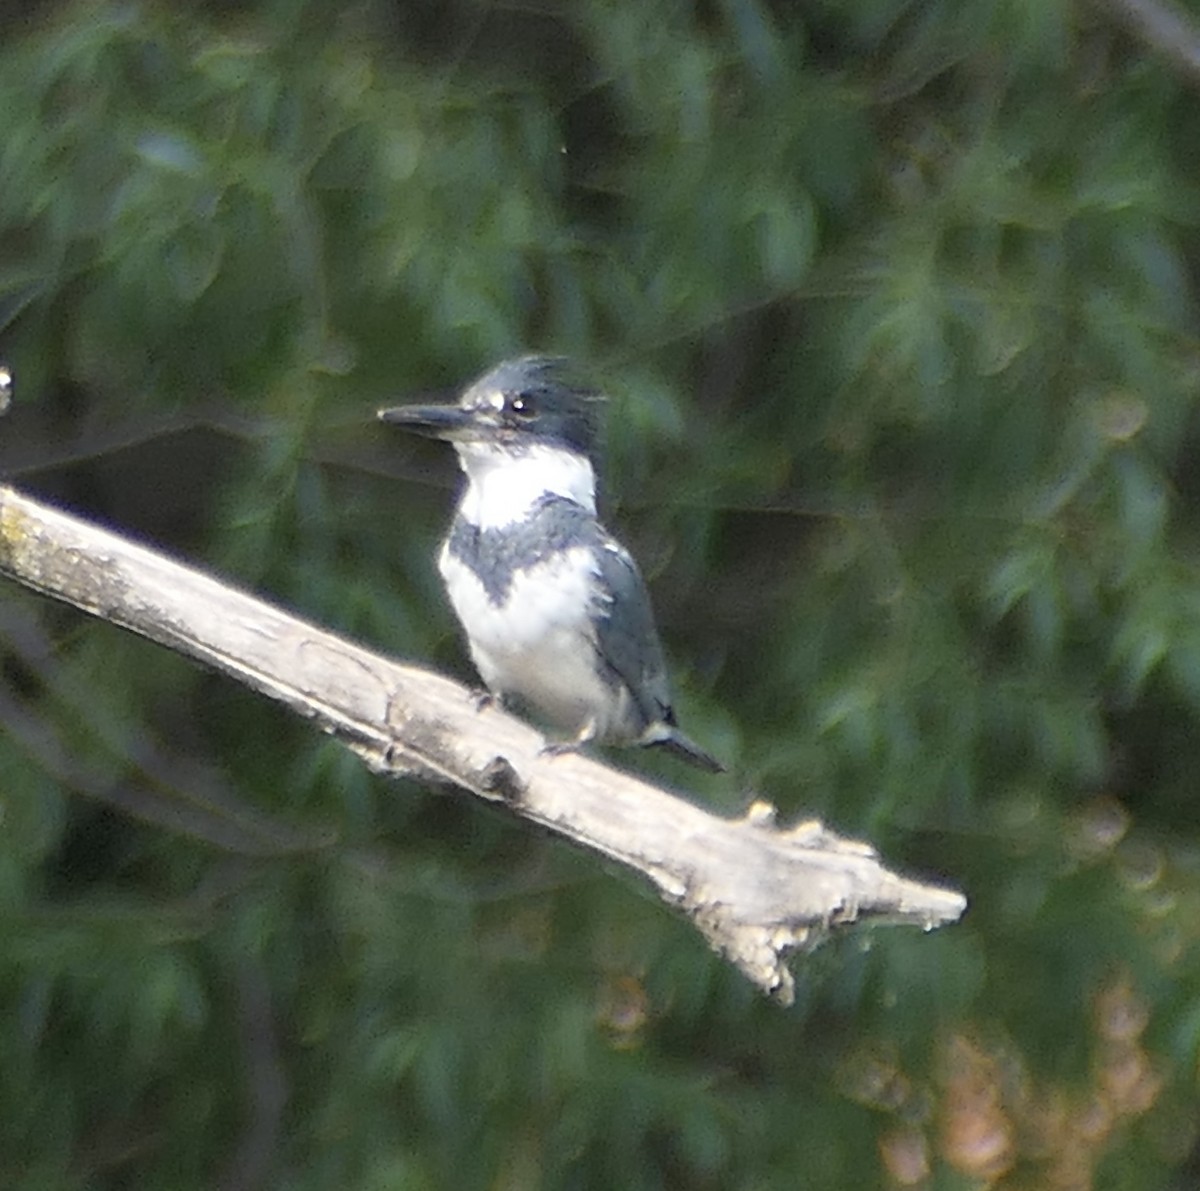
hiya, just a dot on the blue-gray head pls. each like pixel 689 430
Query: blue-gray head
pixel 532 400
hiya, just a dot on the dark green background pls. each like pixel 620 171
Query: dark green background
pixel 895 304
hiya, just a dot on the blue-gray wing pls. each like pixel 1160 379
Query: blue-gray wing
pixel 628 645
pixel 627 637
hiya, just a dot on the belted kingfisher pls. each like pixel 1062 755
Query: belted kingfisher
pixel 554 608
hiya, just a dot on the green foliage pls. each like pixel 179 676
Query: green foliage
pixel 895 305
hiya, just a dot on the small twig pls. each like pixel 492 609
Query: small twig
pixel 266 1085
pixel 755 890
pixel 169 790
pixel 1163 27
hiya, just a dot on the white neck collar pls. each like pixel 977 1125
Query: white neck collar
pixel 503 485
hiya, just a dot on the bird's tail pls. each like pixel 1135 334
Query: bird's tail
pixel 667 736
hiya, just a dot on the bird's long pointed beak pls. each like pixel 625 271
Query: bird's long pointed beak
pixel 432 421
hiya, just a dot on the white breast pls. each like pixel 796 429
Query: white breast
pixel 540 643
pixel 502 486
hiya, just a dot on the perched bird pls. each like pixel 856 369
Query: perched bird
pixel 554 608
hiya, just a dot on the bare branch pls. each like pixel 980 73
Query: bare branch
pixel 756 891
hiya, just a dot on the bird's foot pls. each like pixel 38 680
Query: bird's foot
pixel 484 698
pixel 559 748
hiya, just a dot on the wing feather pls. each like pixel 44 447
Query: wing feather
pixel 626 635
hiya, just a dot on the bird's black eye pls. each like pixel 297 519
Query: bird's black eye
pixel 522 404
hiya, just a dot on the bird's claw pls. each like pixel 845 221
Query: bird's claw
pixel 559 748
pixel 483 699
